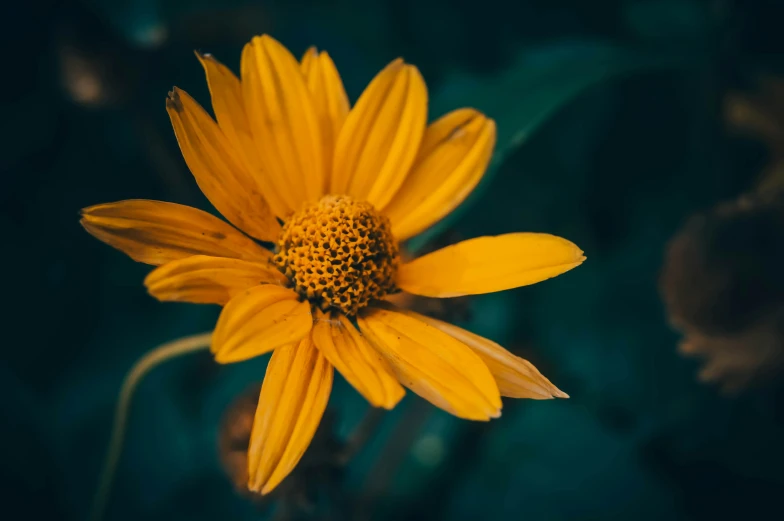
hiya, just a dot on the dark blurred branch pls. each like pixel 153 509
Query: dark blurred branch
pixel 391 456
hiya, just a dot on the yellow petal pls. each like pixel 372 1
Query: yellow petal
pixel 516 377
pixel 226 95
pixel 257 321
pixel 293 397
pixel 209 280
pixel 329 101
pixel 454 155
pixel 229 108
pixel 156 232
pixel 283 121
pixel 434 365
pixel 380 138
pixel 361 365
pixel 488 264
pixel 307 61
pixel 224 179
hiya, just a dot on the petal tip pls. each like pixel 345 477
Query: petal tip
pixel 173 101
pixel 256 40
pixel 397 64
pixel 269 488
pixel 392 400
pixel 204 57
pixel 218 356
pixel 87 211
pixel 267 41
pixel 258 488
pixel 85 223
pixel 413 69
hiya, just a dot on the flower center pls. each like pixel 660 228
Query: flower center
pixel 339 253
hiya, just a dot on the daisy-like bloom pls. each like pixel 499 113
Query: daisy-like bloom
pixel 334 189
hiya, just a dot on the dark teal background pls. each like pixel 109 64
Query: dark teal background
pixel 610 134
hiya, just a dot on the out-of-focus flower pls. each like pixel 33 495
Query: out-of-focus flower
pixel 234 437
pixel 348 184
pixel 96 68
pixel 761 114
pixel 724 289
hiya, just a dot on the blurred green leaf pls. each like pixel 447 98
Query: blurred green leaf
pixel 527 94
pixel 669 22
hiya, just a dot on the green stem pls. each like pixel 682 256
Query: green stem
pixel 151 360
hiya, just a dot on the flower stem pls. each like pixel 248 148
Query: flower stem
pixel 361 434
pixel 144 365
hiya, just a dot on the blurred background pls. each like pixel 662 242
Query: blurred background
pixel 649 132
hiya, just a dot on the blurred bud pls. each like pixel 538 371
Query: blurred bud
pixel 83 79
pixel 723 287
pixel 96 68
pixel 234 438
pixel 321 463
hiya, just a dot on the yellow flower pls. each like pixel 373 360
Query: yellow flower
pixel 348 184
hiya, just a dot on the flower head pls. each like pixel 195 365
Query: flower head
pixel 348 184
pixel 339 253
